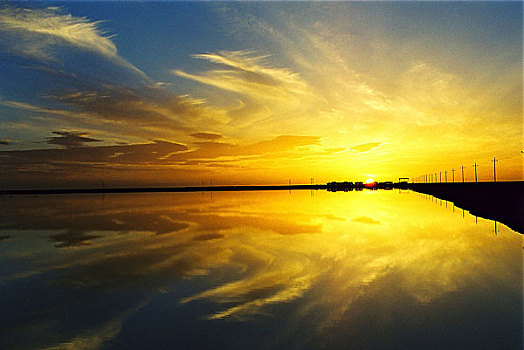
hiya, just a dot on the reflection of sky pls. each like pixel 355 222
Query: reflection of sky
pixel 325 270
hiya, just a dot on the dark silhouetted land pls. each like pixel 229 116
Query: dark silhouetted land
pixel 500 201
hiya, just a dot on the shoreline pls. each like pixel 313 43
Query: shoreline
pixel 498 201
pixel 159 189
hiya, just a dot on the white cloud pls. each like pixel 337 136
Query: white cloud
pixel 37 34
pixel 247 74
pixel 44 28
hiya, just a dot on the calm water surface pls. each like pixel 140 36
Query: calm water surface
pixel 256 270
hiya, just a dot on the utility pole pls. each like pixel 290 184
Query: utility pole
pixel 440 177
pixel 475 166
pixel 446 176
pixel 462 167
pixel 495 160
pixel 453 171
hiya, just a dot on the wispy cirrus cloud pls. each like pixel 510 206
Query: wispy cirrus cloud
pixel 245 73
pixel 264 94
pixel 41 33
pixel 48 28
pixel 107 92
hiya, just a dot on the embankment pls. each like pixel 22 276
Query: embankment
pixel 500 201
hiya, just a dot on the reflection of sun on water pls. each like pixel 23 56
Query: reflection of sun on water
pixel 251 254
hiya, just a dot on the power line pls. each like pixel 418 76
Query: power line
pixel 432 177
pixel 495 160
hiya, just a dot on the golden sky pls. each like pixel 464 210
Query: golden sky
pixel 258 93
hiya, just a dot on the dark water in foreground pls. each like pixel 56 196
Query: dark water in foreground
pixel 256 270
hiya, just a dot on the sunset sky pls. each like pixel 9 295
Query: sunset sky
pixel 140 93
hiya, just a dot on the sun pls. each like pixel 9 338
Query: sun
pixel 369 181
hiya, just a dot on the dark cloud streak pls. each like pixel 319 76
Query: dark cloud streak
pixel 120 154
pixel 206 135
pixel 145 164
pixel 70 139
pixel 146 106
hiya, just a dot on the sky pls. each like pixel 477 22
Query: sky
pixel 185 93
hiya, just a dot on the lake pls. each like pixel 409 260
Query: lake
pixel 256 270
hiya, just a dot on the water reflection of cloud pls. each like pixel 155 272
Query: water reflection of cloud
pixel 89 218
pixel 255 251
pixel 72 239
pixel 272 273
